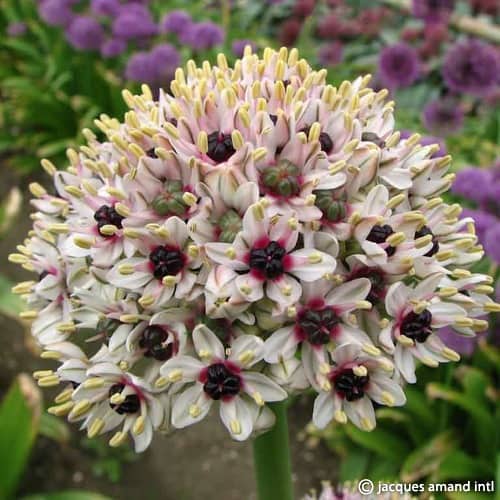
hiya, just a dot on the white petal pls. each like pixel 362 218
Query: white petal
pixel 206 343
pixel 345 353
pixel 237 418
pixel 307 271
pixel 244 345
pixel 282 344
pixel 396 299
pixel 189 367
pixel 349 293
pixel 191 401
pixel 268 390
pixel 323 410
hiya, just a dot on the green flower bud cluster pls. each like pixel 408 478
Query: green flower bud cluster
pixel 170 202
pixel 334 210
pixel 230 224
pixel 282 179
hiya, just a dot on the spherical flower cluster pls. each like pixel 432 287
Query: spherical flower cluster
pixel 482 187
pixel 433 11
pixel 399 66
pixel 443 117
pixel 253 233
pixel 471 67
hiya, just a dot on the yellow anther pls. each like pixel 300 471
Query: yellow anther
pixel 126 269
pixel 202 141
pixel 62 409
pixel 117 399
pixel 387 398
pixel 161 382
pixel 257 396
pixel 117 439
pixel 464 322
pixel 51 355
pixel 245 290
pixel 139 425
pixel 450 354
pixel 66 327
pixel 246 357
pixel 169 281
pixel 108 230
pixel 95 428
pixel 83 242
pixel 447 291
pixel 194 411
pixel 93 383
pixel 237 139
pixel 396 200
pixel 484 289
pixel 423 241
pixel 340 417
pixel 23 287
pixel 235 427
pixel 80 408
pixel 37 190
pixel 367 424
pixel 64 396
pixel 360 371
pixel 291 312
pixel 315 258
pixel 175 375
pixel 28 315
pixel 386 365
pixel 129 318
pixel 146 301
pixel 259 153
pixel 171 130
pixel 258 211
pixel 405 341
pixel 364 304
pixel 429 362
pixel 371 349
pixel 491 307
pixel 48 166
pixel 58 228
pixel 314 132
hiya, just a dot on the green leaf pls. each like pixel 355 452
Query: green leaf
pixel 381 441
pixel 458 465
pixel 354 465
pixel 67 495
pixel 19 414
pixel 426 459
pixel 10 305
pixel 54 428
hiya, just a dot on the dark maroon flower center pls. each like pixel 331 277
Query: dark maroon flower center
pixel 107 215
pixel 152 341
pixel 318 326
pixel 268 260
pixel 220 147
pixel 131 403
pixel 371 137
pixel 324 139
pixel 221 382
pixel 435 243
pixel 379 234
pixel 167 261
pixel 350 386
pixel 151 153
pixel 417 326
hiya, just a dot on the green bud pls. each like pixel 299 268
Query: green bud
pixel 173 186
pixel 271 177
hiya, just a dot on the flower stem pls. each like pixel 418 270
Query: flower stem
pixel 271 453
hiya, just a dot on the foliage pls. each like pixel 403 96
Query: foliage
pixel 20 422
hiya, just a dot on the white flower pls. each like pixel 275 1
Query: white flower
pixel 217 377
pixel 350 386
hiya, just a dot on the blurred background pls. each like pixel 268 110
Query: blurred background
pixel 63 62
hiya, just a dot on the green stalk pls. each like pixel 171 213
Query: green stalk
pixel 271 453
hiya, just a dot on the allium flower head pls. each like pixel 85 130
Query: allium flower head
pixel 471 67
pixel 330 54
pixel 134 21
pixel 249 214
pixel 443 117
pixel 399 66
pixel 175 22
pixel 56 12
pixel 85 33
pixel 105 7
pixel 202 36
pixel 433 11
pixel 113 47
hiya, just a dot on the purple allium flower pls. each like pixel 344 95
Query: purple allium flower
pixel 175 22
pixel 483 221
pixel 16 29
pixel 330 54
pixel 463 345
pixel 134 21
pixel 491 241
pixel 56 12
pixel 238 47
pixel 433 11
pixel 166 59
pixel 105 7
pixel 113 47
pixel 203 35
pixel 472 183
pixel 443 117
pixel 85 33
pixel 471 67
pixel 399 65
pixel 141 68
